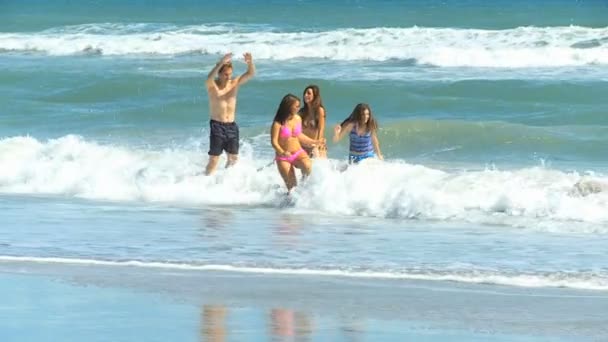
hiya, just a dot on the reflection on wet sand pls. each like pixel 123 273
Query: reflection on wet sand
pixel 213 323
pixel 283 325
pixel 352 329
pixel 287 324
pixel 214 222
pixel 288 229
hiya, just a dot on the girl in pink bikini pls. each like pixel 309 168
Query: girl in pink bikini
pixel 286 136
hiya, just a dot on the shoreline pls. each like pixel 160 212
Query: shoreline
pixel 442 309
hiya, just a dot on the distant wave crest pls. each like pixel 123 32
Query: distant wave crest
pixel 443 47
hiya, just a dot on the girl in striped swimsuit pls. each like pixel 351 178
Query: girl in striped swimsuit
pixel 362 128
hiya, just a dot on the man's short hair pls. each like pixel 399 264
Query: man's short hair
pixel 224 66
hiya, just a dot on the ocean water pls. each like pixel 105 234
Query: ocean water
pixel 489 112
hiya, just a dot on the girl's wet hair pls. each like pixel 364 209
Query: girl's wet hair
pixel 357 117
pixel 284 110
pixel 310 114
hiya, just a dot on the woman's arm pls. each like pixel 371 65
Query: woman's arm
pixel 274 138
pixel 377 146
pixel 305 140
pixel 321 125
pixel 340 132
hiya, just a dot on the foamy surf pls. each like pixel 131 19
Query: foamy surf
pixel 537 197
pixel 597 281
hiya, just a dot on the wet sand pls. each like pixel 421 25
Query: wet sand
pixel 100 303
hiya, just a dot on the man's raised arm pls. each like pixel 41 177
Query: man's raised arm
pixel 250 69
pixel 216 68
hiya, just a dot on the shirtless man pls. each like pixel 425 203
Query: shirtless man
pixel 224 132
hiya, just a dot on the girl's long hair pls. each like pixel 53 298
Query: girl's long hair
pixel 310 114
pixel 357 117
pixel 284 110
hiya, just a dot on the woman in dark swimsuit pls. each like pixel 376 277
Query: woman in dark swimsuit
pixel 313 121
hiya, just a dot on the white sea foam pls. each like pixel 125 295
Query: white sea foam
pixel 74 167
pixel 520 47
pixel 576 280
pixel 530 197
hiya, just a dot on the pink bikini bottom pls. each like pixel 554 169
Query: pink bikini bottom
pixel 292 157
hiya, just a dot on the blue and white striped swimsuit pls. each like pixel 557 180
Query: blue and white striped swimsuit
pixel 361 146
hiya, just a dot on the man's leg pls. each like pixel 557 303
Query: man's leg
pixel 212 164
pixel 232 144
pixel 216 141
pixel 232 159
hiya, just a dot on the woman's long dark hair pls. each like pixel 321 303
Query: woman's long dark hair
pixel 310 114
pixel 357 117
pixel 284 110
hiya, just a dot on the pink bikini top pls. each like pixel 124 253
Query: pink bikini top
pixel 286 132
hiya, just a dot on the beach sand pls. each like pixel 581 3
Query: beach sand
pixel 100 303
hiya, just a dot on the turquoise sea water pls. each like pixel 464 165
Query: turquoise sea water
pixel 489 113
